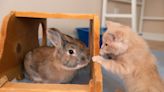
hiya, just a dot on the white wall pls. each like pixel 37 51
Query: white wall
pixel 60 6
pixel 82 6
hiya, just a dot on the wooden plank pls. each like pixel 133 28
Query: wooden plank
pixel 13 72
pixel 17 37
pixel 3 80
pixel 97 77
pixel 44 33
pixel 31 87
pixel 20 34
pixel 91 85
pixel 3 33
pixel 96 68
pixel 96 35
pixel 91 37
pixel 97 74
pixel 53 15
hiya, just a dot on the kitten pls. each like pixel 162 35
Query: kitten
pixel 125 53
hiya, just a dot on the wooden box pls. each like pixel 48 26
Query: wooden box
pixel 19 34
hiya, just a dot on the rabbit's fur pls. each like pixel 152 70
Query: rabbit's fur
pixel 57 64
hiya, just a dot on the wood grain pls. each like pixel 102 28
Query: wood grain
pixel 30 87
pixel 19 34
pixel 53 15
pixel 96 68
pixel 3 80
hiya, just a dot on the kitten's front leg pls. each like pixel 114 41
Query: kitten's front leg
pixel 111 65
pixel 97 59
pixel 104 62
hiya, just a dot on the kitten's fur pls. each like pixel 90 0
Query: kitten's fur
pixel 131 59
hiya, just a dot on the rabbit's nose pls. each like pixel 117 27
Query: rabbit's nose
pixel 83 58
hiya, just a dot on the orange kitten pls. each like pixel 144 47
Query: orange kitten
pixel 125 53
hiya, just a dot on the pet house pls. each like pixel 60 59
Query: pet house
pixel 19 34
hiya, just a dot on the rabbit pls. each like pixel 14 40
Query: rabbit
pixel 59 63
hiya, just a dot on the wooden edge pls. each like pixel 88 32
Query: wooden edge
pixel 44 33
pixel 3 32
pixel 96 35
pixel 52 15
pixel 11 72
pixel 96 68
pixel 97 77
pixel 91 85
pixel 30 87
pixel 3 80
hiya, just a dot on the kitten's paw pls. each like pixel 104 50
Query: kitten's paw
pixel 97 59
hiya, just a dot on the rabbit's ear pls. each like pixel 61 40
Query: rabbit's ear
pixel 55 38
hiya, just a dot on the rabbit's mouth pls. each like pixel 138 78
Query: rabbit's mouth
pixel 74 66
pixel 70 65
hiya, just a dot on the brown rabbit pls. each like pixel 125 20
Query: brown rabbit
pixel 57 64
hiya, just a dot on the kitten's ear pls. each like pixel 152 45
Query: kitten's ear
pixel 108 23
pixel 111 23
pixel 55 38
pixel 121 35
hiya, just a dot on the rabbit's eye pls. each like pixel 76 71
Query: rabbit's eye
pixel 71 52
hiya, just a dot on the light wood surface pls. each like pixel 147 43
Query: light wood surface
pixel 30 87
pixel 96 68
pixel 19 34
pixel 3 80
pixel 53 15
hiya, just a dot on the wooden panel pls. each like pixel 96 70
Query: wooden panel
pixel 91 85
pixel 29 87
pixel 94 45
pixel 53 15
pixel 44 37
pixel 20 34
pixel 3 80
pixel 91 37
pixel 17 37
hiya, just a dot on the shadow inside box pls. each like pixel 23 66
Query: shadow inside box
pixel 83 76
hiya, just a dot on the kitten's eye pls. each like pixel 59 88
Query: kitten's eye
pixel 106 44
pixel 71 52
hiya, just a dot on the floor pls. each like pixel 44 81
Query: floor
pixel 156 45
pixel 157 48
